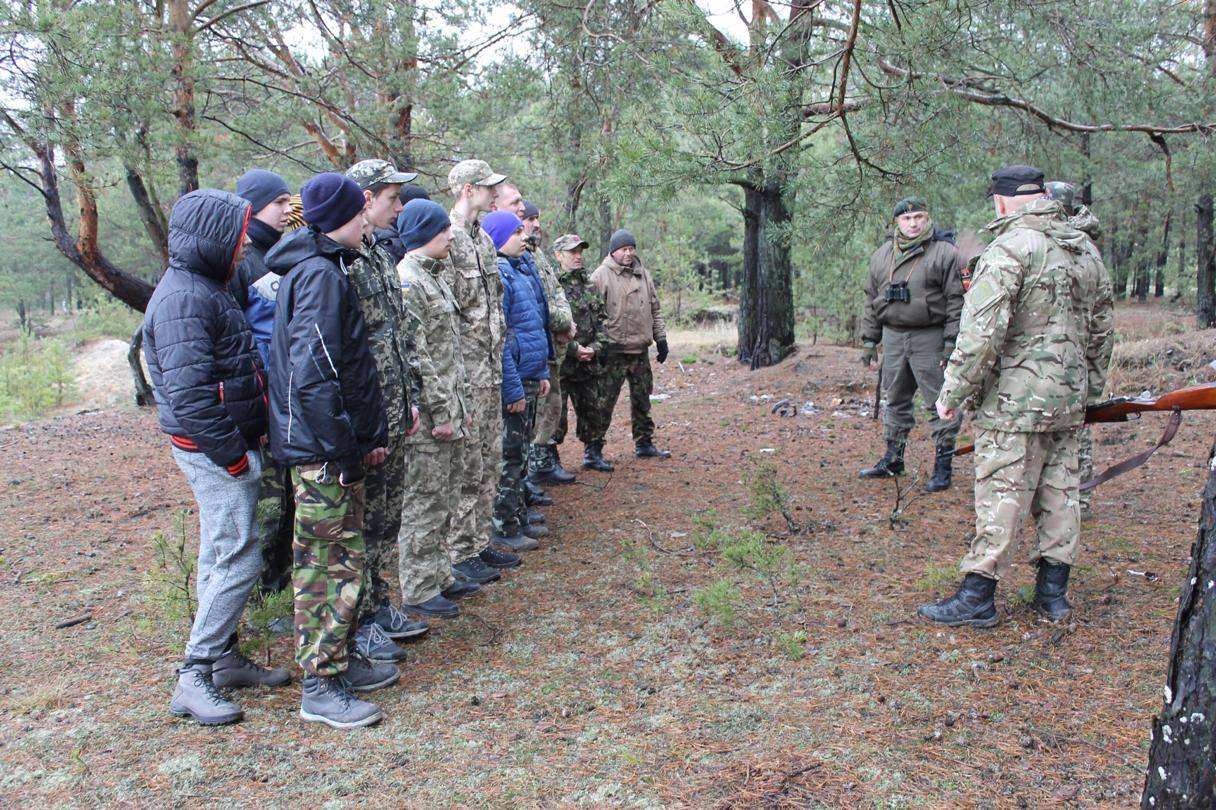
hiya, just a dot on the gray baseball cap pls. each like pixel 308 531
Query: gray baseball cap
pixel 570 241
pixel 369 172
pixel 477 172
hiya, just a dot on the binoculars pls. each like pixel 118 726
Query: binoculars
pixel 897 293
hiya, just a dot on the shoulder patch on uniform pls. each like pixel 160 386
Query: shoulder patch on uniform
pixel 406 286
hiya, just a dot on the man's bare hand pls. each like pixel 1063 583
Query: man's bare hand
pixel 543 391
pixel 517 406
pixel 444 432
pixel 584 353
pixel 375 457
pixel 944 412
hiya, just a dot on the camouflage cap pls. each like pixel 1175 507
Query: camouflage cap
pixel 477 172
pixel 1064 193
pixel 570 241
pixel 369 172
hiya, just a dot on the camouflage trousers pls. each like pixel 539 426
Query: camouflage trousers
pixel 328 556
pixel 1016 473
pixel 592 408
pixel 274 519
pixel 510 505
pixel 634 368
pixel 479 475
pixel 433 472
pixel 549 408
pixel 912 361
pixel 1086 455
pixel 385 495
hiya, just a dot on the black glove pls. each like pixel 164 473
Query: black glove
pixel 869 353
pixel 662 355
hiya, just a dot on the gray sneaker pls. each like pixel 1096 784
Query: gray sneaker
pixel 516 542
pixel 329 701
pixel 362 675
pixel 196 696
pixel 374 645
pixel 397 625
pixel 233 670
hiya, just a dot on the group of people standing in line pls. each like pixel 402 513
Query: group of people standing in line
pixel 387 375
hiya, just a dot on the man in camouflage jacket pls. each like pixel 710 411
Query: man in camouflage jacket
pixel 1033 349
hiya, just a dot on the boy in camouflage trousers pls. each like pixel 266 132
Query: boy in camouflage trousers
pixel 327 423
pixel 433 464
pixel 390 336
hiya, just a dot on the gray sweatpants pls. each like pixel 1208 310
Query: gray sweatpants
pixel 229 550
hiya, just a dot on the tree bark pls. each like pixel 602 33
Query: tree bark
pixel 1182 757
pixel 1205 265
pixel 766 302
pixel 1163 257
pixel 181 21
pixel 143 390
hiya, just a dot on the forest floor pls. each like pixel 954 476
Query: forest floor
pixel 671 646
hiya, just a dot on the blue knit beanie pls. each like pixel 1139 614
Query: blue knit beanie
pixel 619 239
pixel 260 188
pixel 420 222
pixel 500 225
pixel 330 201
pixel 411 191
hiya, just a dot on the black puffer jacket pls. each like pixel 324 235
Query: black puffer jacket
pixel 210 394
pixel 325 401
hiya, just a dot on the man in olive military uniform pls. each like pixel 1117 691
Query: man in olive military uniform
pixel 544 465
pixel 1033 349
pixel 1081 218
pixel 472 275
pixel 583 372
pixel 390 336
pixel 912 305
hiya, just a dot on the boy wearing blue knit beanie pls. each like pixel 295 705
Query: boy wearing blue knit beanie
pixel 327 423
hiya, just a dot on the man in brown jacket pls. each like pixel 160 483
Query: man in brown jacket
pixel 633 323
pixel 914 298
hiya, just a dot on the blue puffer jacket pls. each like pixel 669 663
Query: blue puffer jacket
pixel 528 347
pixel 210 394
pixel 254 287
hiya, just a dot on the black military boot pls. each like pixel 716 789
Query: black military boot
pixel 891 463
pixel 544 469
pixel 560 474
pixel 941 470
pixel 973 605
pixel 1051 591
pixel 648 450
pixel 593 458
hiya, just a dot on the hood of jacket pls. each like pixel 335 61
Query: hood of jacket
pixel 1046 216
pixel 205 228
pixel 303 244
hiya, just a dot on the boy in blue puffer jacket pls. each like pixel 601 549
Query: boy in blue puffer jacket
pixel 525 373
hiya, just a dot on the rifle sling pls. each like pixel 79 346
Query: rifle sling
pixel 1171 427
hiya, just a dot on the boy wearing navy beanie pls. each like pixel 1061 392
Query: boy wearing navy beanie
pixel 327 424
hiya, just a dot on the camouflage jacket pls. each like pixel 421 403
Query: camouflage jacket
pixel 437 358
pixel 390 332
pixel 1037 328
pixel 588 313
pixel 559 308
pixel 472 274
pixel 1085 222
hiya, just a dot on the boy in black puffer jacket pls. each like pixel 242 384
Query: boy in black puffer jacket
pixel 327 423
pixel 211 400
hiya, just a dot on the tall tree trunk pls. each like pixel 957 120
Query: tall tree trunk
pixel 1182 756
pixel 1163 257
pixel 181 21
pixel 766 303
pixel 1205 264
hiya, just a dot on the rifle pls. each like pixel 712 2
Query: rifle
pixel 1126 409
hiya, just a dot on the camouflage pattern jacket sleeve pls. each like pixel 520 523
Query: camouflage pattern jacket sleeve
pixel 437 360
pixel 1035 332
pixel 559 307
pixel 587 308
pixel 389 335
pixel 472 275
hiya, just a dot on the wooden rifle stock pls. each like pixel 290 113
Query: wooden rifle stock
pixel 1124 409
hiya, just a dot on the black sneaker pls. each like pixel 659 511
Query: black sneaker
pixel 397 625
pixel 535 517
pixel 499 558
pixel 536 531
pixel 515 542
pixel 460 589
pixel 648 450
pixel 371 642
pixel 437 605
pixel 330 701
pixel 362 675
pixel 474 570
